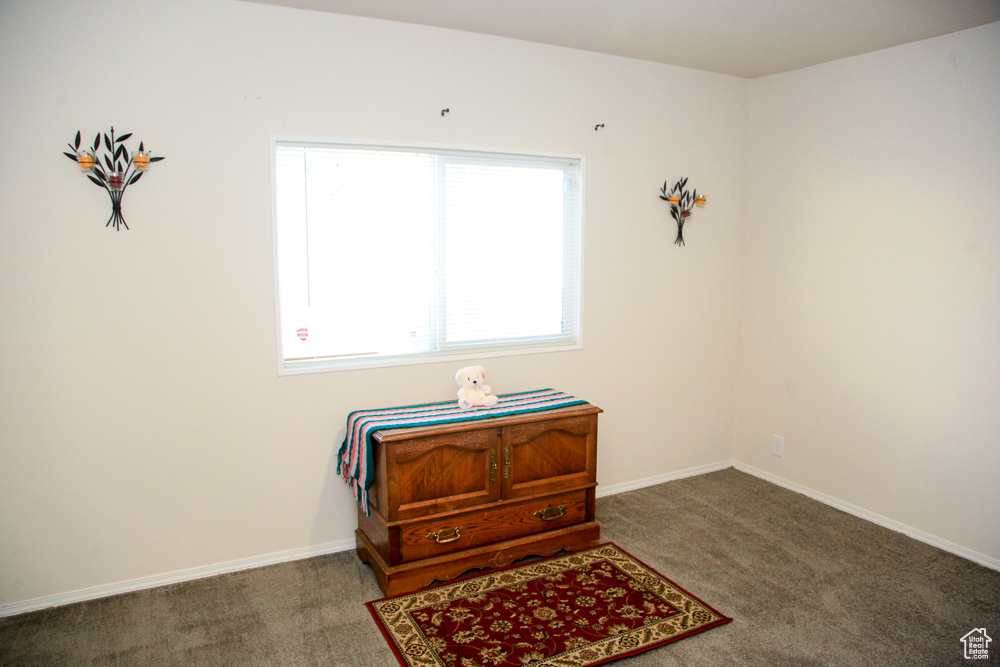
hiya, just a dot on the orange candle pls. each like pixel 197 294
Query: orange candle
pixel 675 200
pixel 700 201
pixel 86 161
pixel 141 160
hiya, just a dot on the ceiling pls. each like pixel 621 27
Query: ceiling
pixel 745 38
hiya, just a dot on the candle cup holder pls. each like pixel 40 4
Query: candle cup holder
pixel 86 160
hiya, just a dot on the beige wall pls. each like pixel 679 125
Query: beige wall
pixel 143 427
pixel 871 323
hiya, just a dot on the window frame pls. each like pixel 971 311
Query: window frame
pixel 465 352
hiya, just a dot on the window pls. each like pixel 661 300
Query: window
pixel 390 255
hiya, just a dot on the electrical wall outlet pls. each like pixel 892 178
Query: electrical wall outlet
pixel 778 446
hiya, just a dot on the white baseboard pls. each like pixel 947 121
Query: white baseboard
pixel 660 479
pixel 885 522
pixel 345 545
pixel 179 576
pixel 174 577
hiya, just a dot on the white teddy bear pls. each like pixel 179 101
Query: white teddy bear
pixel 474 391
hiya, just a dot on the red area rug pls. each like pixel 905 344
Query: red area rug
pixel 579 609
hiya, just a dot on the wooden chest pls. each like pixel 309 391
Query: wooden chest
pixel 454 497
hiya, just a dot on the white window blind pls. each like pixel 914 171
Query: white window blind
pixel 389 255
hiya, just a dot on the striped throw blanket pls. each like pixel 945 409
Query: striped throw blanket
pixel 356 462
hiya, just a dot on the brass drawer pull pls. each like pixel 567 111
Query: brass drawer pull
pixel 443 537
pixel 550 513
pixel 493 465
pixel 506 462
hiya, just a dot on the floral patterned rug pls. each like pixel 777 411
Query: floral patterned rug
pixel 579 609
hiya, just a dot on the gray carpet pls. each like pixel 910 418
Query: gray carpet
pixel 806 585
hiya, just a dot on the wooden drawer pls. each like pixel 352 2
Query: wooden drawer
pixel 465 530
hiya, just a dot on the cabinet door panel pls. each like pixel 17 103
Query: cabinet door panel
pixel 546 456
pixel 442 473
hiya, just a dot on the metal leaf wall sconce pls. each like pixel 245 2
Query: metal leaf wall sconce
pixel 114 170
pixel 681 202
